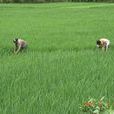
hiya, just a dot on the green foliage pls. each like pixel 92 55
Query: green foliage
pixel 62 66
pixel 94 106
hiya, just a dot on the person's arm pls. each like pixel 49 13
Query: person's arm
pixel 16 52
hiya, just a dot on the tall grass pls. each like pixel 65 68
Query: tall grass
pixel 61 67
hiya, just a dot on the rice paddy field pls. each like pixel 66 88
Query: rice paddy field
pixel 62 67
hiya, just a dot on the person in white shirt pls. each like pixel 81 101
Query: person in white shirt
pixel 20 44
pixel 103 43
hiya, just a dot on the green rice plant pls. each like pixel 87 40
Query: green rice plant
pixel 62 66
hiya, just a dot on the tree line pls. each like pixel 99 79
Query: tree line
pixel 42 1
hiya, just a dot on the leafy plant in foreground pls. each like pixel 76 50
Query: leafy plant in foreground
pixel 94 106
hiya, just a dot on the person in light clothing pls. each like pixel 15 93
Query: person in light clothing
pixel 20 44
pixel 103 43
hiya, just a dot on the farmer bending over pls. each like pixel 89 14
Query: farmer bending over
pixel 19 45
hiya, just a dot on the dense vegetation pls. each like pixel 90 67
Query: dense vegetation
pixel 62 66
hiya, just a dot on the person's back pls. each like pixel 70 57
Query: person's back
pixel 104 40
pixel 22 43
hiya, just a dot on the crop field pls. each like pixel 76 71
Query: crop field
pixel 62 67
